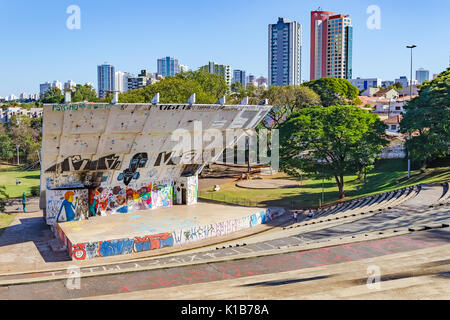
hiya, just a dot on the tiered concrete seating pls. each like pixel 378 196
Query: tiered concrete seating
pixel 370 204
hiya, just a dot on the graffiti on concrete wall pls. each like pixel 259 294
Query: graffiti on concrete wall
pixel 66 205
pixel 139 160
pixel 90 250
pixel 105 201
pixel 78 163
pixel 162 196
pixel 191 190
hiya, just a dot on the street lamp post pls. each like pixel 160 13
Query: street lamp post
pixel 410 98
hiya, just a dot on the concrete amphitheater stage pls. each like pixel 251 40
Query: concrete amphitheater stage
pixel 143 230
pixel 268 184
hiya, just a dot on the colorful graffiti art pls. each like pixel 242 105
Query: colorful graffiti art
pixel 162 196
pixel 66 205
pixel 139 160
pixel 108 248
pixel 156 241
pixel 106 201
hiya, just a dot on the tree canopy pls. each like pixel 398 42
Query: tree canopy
pixel 287 100
pixel 52 95
pixel 427 120
pixel 208 88
pixel 330 142
pixel 333 91
pixel 84 93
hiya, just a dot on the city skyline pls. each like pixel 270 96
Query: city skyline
pixel 78 52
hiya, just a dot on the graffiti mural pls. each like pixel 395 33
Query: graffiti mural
pixel 139 160
pixel 191 190
pixel 162 196
pixel 108 248
pixel 66 205
pixel 153 242
pixel 77 163
pixel 115 247
pixel 106 201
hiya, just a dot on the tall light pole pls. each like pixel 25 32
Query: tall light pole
pixel 410 98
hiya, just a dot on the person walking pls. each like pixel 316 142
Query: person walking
pixel 24 202
pixel 294 216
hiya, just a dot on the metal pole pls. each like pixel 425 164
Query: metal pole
pixel 410 98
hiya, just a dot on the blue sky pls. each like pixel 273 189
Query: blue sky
pixel 131 35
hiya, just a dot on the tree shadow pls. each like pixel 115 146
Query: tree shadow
pixel 36 230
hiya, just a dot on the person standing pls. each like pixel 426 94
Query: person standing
pixel 24 202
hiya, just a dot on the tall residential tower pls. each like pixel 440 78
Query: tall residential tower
pixel 331 45
pixel 220 69
pixel 106 79
pixel 167 66
pixel 285 47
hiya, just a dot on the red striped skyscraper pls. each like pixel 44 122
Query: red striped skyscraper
pixel 331 45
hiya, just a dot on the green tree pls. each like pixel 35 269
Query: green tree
pixel 84 93
pixel 285 101
pixel 212 84
pixel 427 121
pixel 334 91
pixel 53 95
pixel 7 147
pixel 171 90
pixel 26 133
pixel 330 142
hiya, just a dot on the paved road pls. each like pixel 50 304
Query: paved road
pixel 193 274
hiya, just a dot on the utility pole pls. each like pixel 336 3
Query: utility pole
pixel 410 98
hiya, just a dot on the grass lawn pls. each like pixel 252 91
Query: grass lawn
pixel 5 220
pixel 387 175
pixel 29 179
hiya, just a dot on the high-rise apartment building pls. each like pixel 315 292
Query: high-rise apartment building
pixel 239 76
pixel 121 80
pixel 331 45
pixel 285 47
pixel 47 85
pixel 220 69
pixel 319 44
pixel 106 79
pixel 183 68
pixel 422 75
pixel 167 66
pixel 69 85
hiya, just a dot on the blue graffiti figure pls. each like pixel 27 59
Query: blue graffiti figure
pixel 253 220
pixel 139 160
pixel 115 247
pixel 68 206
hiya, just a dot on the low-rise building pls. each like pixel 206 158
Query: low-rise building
pixel 370 92
pixel 387 93
pixel 393 123
pixel 365 83
pixel 406 91
pixel 6 115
